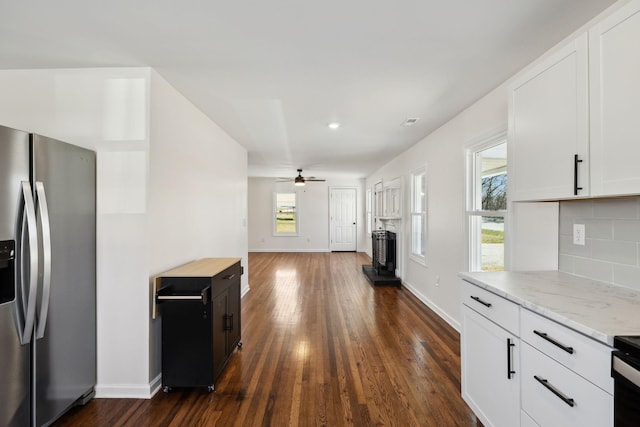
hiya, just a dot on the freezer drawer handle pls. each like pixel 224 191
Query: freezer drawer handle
pixel 486 304
pixel 555 391
pixel 546 337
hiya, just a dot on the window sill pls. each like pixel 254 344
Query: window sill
pixel 418 260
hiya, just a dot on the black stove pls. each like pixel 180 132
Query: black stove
pixel 628 344
pixel 625 370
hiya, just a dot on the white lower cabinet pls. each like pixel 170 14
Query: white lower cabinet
pixel 553 395
pixel 522 369
pixel 490 370
pixel 583 355
pixel 566 376
pixel 526 421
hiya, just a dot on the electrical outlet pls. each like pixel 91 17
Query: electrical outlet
pixel 578 234
pixel 437 280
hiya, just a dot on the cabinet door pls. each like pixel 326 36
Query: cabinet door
pixel 615 102
pixel 526 421
pixel 492 393
pixel 553 395
pixel 233 311
pixel 548 126
pixel 219 307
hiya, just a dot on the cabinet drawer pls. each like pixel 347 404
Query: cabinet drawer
pixel 226 277
pixel 583 355
pixel 496 308
pixel 544 402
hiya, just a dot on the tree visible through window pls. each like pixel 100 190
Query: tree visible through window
pixel 285 214
pixel 494 192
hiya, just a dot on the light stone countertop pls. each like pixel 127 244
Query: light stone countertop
pixel 593 308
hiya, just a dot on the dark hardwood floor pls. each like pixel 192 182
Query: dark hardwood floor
pixel 321 347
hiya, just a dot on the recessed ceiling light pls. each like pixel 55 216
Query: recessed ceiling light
pixel 334 125
pixel 410 121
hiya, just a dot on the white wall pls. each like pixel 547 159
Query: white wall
pixel 163 195
pixel 313 203
pixel 443 153
pixel 197 191
pixel 532 228
pixel 104 110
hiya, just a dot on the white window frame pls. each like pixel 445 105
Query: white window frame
pixel 474 211
pixel 369 203
pixel 419 213
pixel 274 214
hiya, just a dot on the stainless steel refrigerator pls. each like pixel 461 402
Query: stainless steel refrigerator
pixel 47 278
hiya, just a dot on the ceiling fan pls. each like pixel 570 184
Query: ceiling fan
pixel 300 180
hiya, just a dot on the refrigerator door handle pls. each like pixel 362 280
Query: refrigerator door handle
pixel 43 217
pixel 28 294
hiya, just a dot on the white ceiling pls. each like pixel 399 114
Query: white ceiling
pixel 273 73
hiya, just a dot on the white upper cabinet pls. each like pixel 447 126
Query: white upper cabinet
pixel 614 57
pixel 584 101
pixel 549 127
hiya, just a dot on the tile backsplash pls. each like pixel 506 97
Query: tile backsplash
pixel 612 248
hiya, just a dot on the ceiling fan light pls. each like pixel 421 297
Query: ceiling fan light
pixel 298 183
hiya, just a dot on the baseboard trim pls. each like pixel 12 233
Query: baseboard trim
pixel 129 391
pixel 289 250
pixel 245 291
pixel 156 385
pixel 433 306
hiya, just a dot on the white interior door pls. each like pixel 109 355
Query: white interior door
pixel 343 219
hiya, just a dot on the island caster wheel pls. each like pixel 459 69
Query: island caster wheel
pixel 239 344
pixel 210 388
pixel 166 389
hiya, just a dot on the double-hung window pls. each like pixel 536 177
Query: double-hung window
pixel 285 214
pixel 369 214
pixel 487 203
pixel 419 214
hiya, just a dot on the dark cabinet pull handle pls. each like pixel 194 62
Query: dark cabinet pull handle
pixel 543 335
pixel 486 304
pixel 228 322
pixel 576 160
pixel 510 371
pixel 555 391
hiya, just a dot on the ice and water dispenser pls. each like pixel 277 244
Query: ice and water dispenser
pixel 7 271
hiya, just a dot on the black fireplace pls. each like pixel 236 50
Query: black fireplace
pixel 383 244
pixel 382 270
